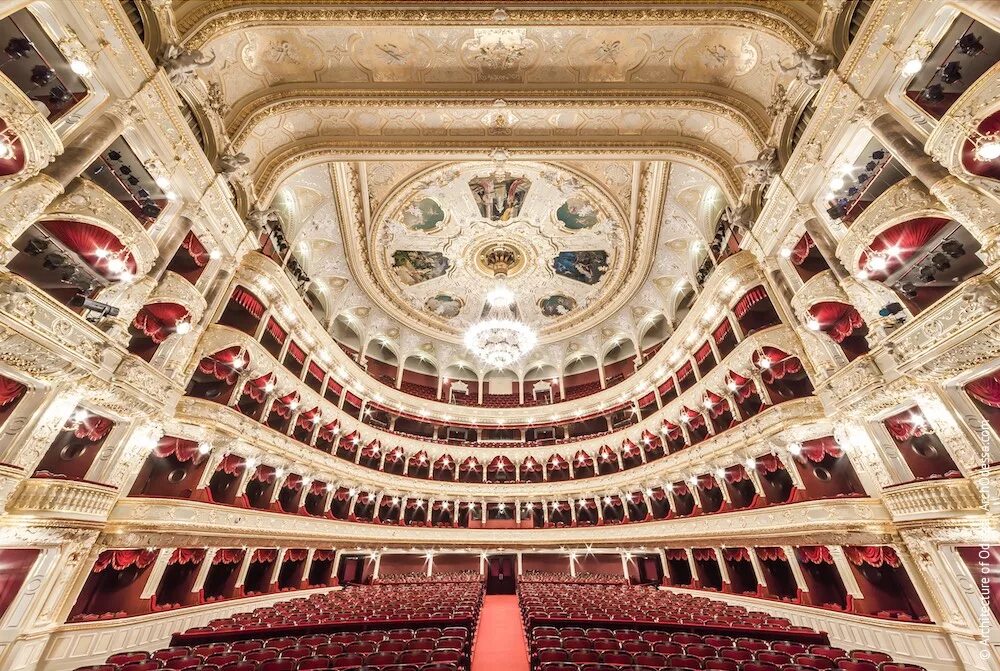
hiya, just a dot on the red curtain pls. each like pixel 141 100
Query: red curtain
pixel 819 448
pixel 771 554
pixel 703 352
pixel 350 441
pixel 721 331
pixel 283 406
pixel 10 391
pixel 780 364
pixel 684 371
pixel 324 555
pixel 86 240
pixel 749 299
pixel 815 554
pixel 630 449
pixel 186 556
pixel 316 371
pixel 296 554
pixel 736 474
pixel 902 427
pixel 696 420
pixel 587 460
pixel 230 464
pixel 257 389
pixel 220 364
pixel 119 560
pixel 305 419
pixel 676 554
pixel 801 249
pixel 93 428
pixel 275 330
pixel 264 474
pixel 838 320
pixel 334 386
pixel 707 482
pixel 743 387
pixel 770 463
pixel 666 386
pixel 182 450
pixel 681 489
pixel 249 302
pixel 158 320
pixel 228 556
pixel 703 554
pixel 195 249
pixel 556 463
pixel 317 488
pixel 908 237
pixel 736 554
pixel 472 464
pixel 673 431
pixel 986 389
pixel 296 352
pixel 293 482
pixel 719 404
pixel 262 556
pixel 327 431
pixel 873 555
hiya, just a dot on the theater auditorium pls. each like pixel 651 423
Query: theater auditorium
pixel 497 335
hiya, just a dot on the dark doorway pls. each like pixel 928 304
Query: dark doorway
pixel 500 574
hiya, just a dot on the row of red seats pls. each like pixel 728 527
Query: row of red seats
pixel 570 579
pixel 423 578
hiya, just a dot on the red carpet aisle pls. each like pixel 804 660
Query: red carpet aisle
pixel 500 644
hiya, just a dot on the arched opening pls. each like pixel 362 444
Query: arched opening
pixel 843 324
pixel 920 446
pixel 153 324
pixel 460 385
pixel 75 448
pixel 346 335
pixel 420 376
pixel 500 389
pixel 619 362
pixel 541 385
pixel 581 377
pixel 922 260
pixel 653 335
pixel 381 362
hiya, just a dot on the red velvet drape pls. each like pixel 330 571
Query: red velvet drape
pixel 158 320
pixel 873 555
pixel 119 560
pixel 838 320
pixel 249 302
pixel 986 389
pixel 195 249
pixel 10 391
pixel 86 240
pixel 182 450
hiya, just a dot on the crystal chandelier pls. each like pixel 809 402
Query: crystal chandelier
pixel 500 339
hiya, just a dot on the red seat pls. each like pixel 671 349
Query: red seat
pixel 279 665
pixel 224 658
pixel 788 647
pixel 421 644
pixel 650 659
pixel 380 658
pixel 329 649
pixel 261 656
pixel 897 666
pixel 552 655
pixel 148 665
pixel 636 646
pixel 759 666
pixel 685 638
pixel 362 647
pixel 774 657
pixel 870 656
pixel 209 649
pixel 346 659
pixel 400 635
pixel 684 662
pixel 815 661
pixel 171 653
pixel 122 658
pixel 313 640
pixel 280 643
pixel 584 656
pixel 828 651
pixel 313 664
pixel 668 648
pixel 617 657
pixel 736 654
pixel 627 635
pixel 606 644
pixel 856 665
pixel 454 656
pixel 751 644
pixel 392 646
pixel 96 667
pixel 655 636
pixel 559 666
pixel 722 665
pixel 241 666
pixel 700 650
pixel 297 652
pixel 180 663
pixel 451 643
pixel 413 657
pixel 246 646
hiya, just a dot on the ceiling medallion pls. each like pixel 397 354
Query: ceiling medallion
pixel 500 339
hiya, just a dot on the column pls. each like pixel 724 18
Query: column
pixel 212 461
pixel 724 570
pixel 168 244
pixel 375 568
pixel 572 511
pixel 517 512
pixel 156 573
pixel 206 566
pixel 306 566
pixel 244 479
pixel 545 513
pixel 975 211
pixel 275 570
pixel 695 580
pixel 793 563
pixel 24 203
pixel 600 509
pixel 244 567
pixel 792 466
pixel 758 570
pixel 846 574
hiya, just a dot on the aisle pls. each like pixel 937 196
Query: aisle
pixel 500 644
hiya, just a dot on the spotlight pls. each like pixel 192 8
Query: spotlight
pixel 951 73
pixel 79 67
pixel 933 93
pixel 953 248
pixel 100 310
pixel 59 97
pixel 970 45
pixel 941 261
pixel 35 247
pixel 926 273
pixel 42 75
pixel 19 47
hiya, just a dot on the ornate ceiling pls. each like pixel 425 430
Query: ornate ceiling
pixel 402 143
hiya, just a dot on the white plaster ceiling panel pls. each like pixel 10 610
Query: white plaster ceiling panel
pixel 257 57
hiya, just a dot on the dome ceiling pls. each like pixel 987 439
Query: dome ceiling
pixel 403 145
